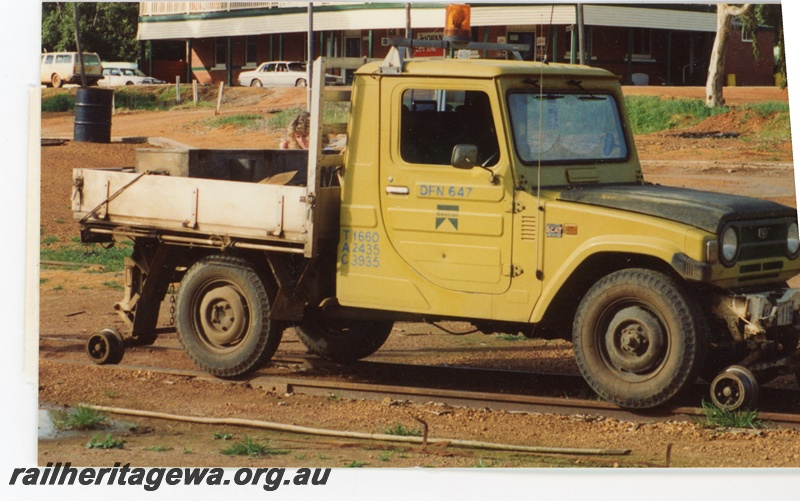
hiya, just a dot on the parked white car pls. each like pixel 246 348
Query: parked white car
pixel 118 74
pixel 59 68
pixel 276 74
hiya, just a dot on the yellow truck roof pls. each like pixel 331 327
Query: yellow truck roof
pixel 489 68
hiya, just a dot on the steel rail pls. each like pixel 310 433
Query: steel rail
pixel 471 399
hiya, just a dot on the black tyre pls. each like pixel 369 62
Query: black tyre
pixel 223 317
pixel 256 83
pixel 341 341
pixel 638 338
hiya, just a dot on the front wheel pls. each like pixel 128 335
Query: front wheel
pixel 343 341
pixel 638 338
pixel 223 317
pixel 256 83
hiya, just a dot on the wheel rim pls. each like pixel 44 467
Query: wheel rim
pixel 56 81
pixel 734 388
pixel 222 316
pixel 633 341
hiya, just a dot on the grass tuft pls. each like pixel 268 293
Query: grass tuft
pixel 108 443
pixel 251 448
pixel 714 417
pixel 80 418
pixel 402 431
pixel 650 114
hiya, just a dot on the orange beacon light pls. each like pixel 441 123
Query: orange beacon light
pixel 457 23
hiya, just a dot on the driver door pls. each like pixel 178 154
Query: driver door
pixel 451 226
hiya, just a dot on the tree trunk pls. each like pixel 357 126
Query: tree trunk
pixel 716 65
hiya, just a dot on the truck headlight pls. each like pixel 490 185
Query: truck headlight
pixel 729 246
pixel 793 240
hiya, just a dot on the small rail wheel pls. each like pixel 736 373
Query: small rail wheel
pixel 105 347
pixel 223 317
pixel 343 341
pixel 734 388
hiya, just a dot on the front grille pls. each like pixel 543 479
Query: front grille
pixel 762 239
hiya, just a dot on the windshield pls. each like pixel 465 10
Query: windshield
pixel 563 127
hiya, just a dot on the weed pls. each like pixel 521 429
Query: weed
pixel 112 394
pixel 355 464
pixel 714 417
pixel 386 456
pixel 58 287
pixel 247 121
pixel 322 457
pixel 113 285
pixel 250 448
pixel 85 288
pixel 222 436
pixel 510 337
pixel 58 221
pixel 59 102
pixel 480 464
pixel 111 259
pixel 649 114
pixel 43 281
pixel 158 448
pixel 108 443
pixel 402 431
pixel 49 239
pixel 299 456
pixel 80 418
pixel 187 450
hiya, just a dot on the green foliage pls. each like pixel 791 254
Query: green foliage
pixel 114 285
pixel 714 417
pixel 80 418
pixel 134 99
pixel 250 448
pixel 402 431
pixel 355 464
pixel 108 28
pixel 510 337
pixel 158 448
pixel 111 259
pixel 49 239
pixel 59 102
pixel 283 118
pixel 223 436
pixel 108 443
pixel 650 114
pixel 246 120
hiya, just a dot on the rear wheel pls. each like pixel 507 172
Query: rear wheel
pixel 637 338
pixel 256 83
pixel 344 341
pixel 56 81
pixel 301 83
pixel 223 317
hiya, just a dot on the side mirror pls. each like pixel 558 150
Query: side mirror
pixel 465 156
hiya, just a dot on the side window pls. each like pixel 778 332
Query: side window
pixel 48 59
pixel 433 122
pixel 63 59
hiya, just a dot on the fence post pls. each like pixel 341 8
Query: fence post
pixel 178 88
pixel 194 91
pixel 219 97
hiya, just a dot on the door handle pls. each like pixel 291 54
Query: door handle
pixel 397 190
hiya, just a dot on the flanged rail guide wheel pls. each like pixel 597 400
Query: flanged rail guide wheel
pixel 105 347
pixel 734 388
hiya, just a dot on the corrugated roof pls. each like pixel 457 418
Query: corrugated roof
pixel 426 16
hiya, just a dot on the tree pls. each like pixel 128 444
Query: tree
pixel 716 66
pixel 108 28
pixel 752 19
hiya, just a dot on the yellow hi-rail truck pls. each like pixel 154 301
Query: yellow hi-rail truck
pixel 507 194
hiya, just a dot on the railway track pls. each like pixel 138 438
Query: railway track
pixel 513 391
